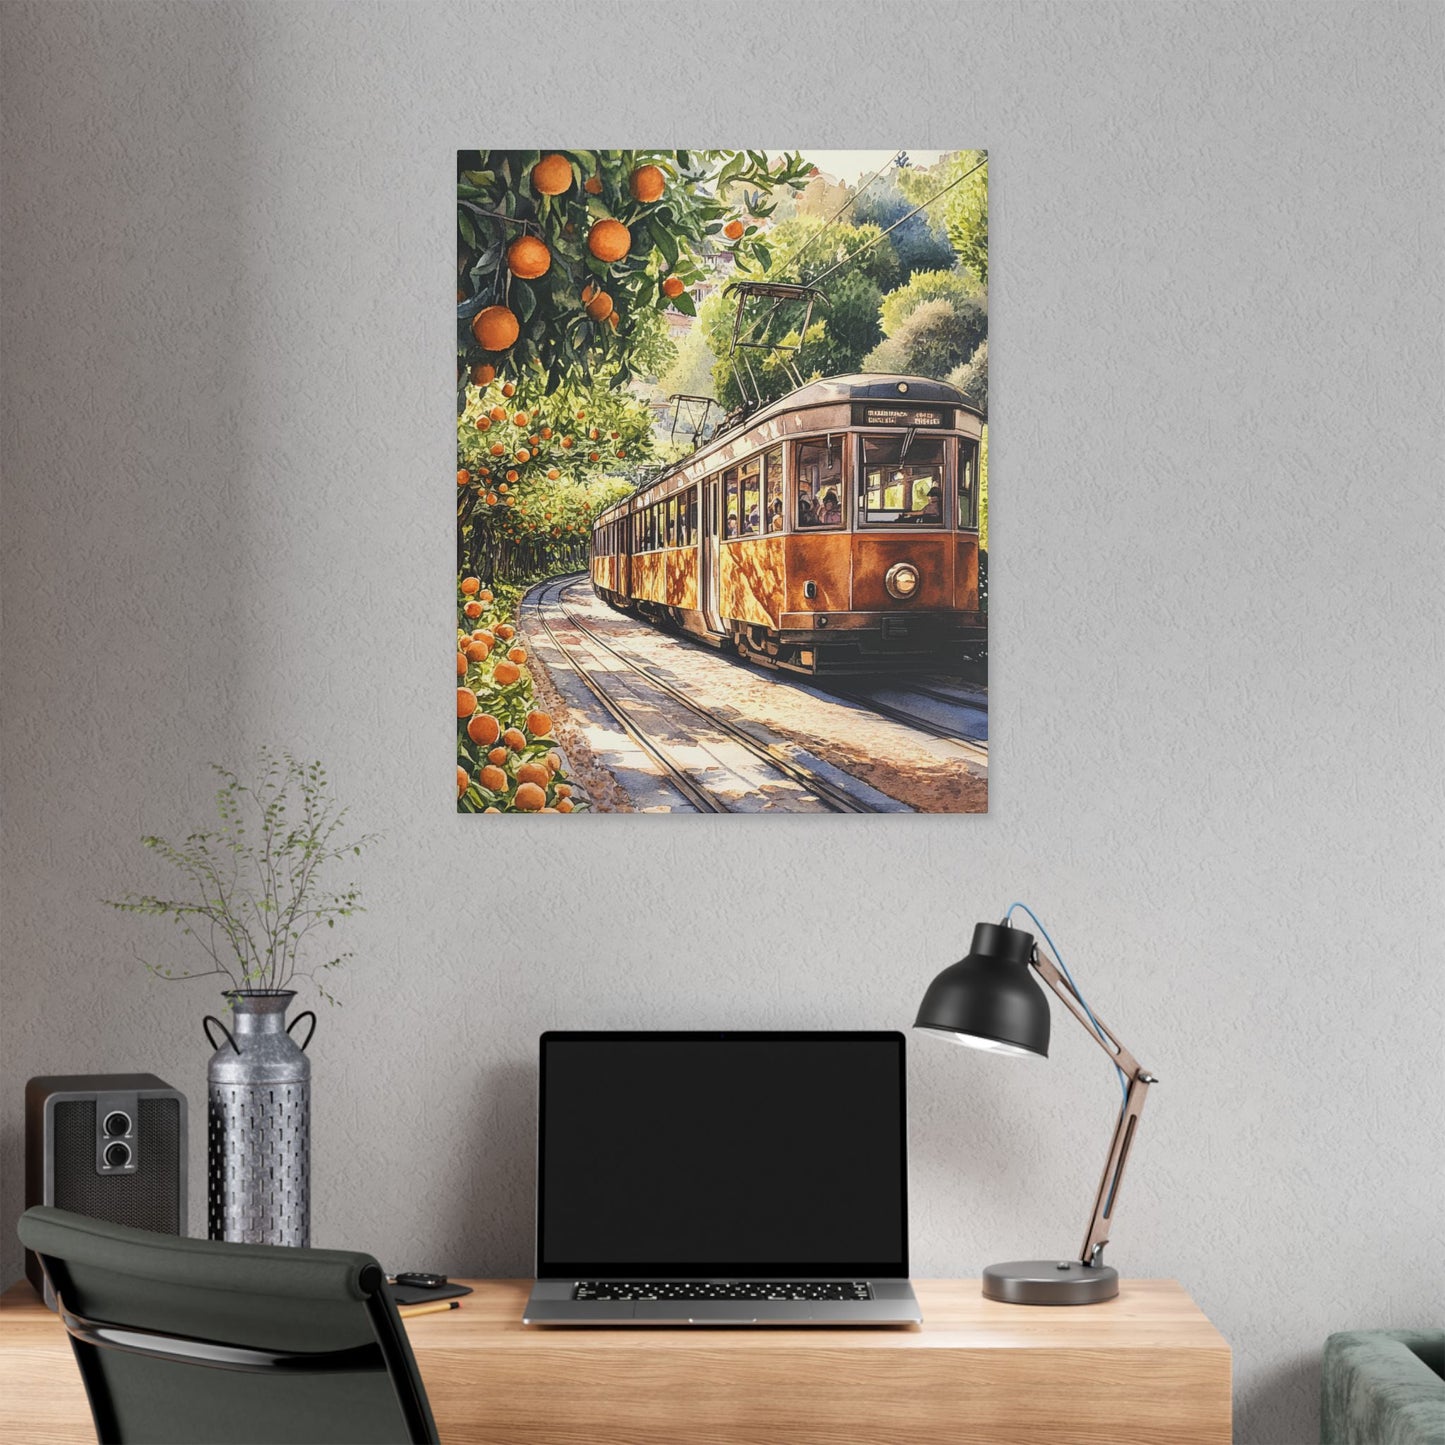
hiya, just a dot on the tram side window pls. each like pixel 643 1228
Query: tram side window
pixel 773 490
pixel 903 481
pixel 691 531
pixel 672 521
pixel 968 485
pixel 750 499
pixel 730 502
pixel 818 468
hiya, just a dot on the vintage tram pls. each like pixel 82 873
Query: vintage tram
pixel 833 530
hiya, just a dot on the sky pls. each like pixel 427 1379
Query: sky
pixel 851 166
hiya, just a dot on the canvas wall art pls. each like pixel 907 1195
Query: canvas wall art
pixel 722 482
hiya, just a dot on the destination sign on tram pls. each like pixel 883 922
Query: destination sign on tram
pixel 896 416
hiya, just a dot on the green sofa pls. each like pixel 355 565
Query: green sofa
pixel 1383 1387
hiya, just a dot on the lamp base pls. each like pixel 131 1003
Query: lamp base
pixel 1050 1282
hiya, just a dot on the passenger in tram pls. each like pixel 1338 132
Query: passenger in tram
pixel 775 515
pixel 932 510
pixel 732 526
pixel 806 516
pixel 830 510
pixel 752 519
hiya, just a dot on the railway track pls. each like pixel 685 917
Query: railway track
pixel 549 598
pixel 976 746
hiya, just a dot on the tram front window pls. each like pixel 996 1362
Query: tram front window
pixel 818 473
pixel 903 481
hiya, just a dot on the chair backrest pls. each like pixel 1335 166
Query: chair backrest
pixel 190 1340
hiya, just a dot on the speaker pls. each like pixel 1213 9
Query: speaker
pixel 110 1146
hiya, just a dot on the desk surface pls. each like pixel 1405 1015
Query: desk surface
pixel 1147 1366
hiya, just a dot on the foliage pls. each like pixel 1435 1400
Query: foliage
pixel 504 742
pixel 256 878
pixel 661 235
pixel 691 372
pixel 931 341
pixel 972 378
pixel 958 288
pixel 919 243
pixel 963 211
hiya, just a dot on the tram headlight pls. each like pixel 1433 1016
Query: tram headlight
pixel 901 580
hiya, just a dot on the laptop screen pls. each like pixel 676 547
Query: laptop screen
pixel 721 1156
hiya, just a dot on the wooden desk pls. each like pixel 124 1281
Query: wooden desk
pixel 1145 1367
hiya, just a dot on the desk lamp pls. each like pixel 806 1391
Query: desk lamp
pixel 991 1001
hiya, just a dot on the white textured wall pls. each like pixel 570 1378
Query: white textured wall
pixel 227 449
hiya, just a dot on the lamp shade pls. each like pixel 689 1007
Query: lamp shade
pixel 990 999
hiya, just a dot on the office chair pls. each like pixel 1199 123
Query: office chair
pixel 201 1343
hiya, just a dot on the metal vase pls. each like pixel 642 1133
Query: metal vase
pixel 259 1134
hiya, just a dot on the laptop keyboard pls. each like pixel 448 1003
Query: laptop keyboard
pixel 673 1289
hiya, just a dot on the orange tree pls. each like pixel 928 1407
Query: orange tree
pixel 560 254
pixel 507 759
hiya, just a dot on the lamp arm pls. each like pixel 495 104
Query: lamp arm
pixel 1137 1088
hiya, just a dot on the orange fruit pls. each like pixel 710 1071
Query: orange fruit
pixel 563 791
pixel 614 434
pixel 566 443
pixel 462 780
pixel 461 664
pixel 612 321
pixel 484 728
pixel 599 305
pixel 498 756
pixel 471 585
pixel 564 805
pixel 553 474
pixel 530 798
pixel 473 609
pixel 466 702
pixel 546 433
pixel 554 761
pixel 495 328
pixel 524 456
pixel 498 413
pixel 511 476
pixel 515 739
pixel 508 389
pixel 733 230
pixel 520 419
pixel 483 375
pixel 581 416
pixel 493 779
pixel 503 489
pixel 672 286
pixel 506 631
pixel 491 499
pixel 594 457
pixel 552 175
pixel 485 595
pixel 539 723
pixel 517 654
pixel 593 185
pixel 534 441
pixel 528 258
pixel 483 424
pixel 478 651
pixel 608 240
pixel 463 476
pixel 534 773
pixel 507 673
pixel 482 635
pixel 646 184
pixel 498 450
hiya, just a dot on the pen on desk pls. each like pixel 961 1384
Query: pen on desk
pixel 436 1307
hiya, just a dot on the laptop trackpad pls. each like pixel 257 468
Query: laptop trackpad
pixel 722 1312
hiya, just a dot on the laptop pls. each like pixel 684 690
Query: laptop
pixel 722 1179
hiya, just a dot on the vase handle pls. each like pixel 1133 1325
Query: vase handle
pixel 307 1015
pixel 206 1024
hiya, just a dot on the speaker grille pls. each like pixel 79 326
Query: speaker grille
pixel 147 1199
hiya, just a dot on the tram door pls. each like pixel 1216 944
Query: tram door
pixel 710 489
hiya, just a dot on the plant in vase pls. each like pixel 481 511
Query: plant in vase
pixel 254 901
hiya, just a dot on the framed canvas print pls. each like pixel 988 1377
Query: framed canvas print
pixel 722 481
